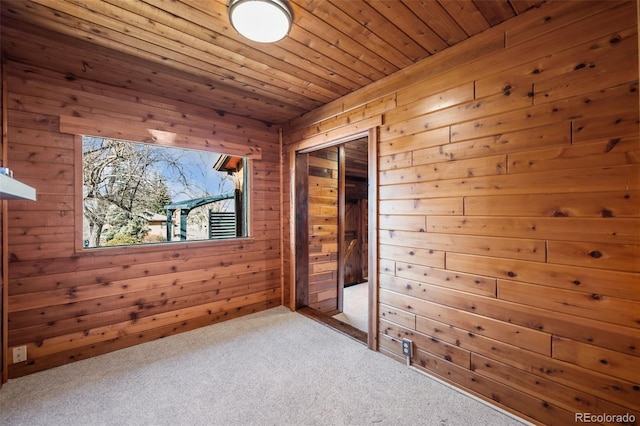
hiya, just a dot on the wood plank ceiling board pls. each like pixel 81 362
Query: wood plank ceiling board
pixel 188 49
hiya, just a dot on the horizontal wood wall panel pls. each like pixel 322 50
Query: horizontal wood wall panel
pixel 613 230
pixel 566 397
pixel 595 306
pixel 509 215
pixel 591 281
pixel 37 276
pixel 617 99
pixel 105 288
pixel 472 110
pixel 596 179
pixel 424 257
pixel 101 103
pixel 403 223
pixel 507 142
pixel 501 395
pixel 397 316
pixel 139 301
pixel 405 145
pixel 605 127
pixel 146 304
pixel 453 206
pixel 440 277
pixel 617 257
pixel 595 358
pixel 67 304
pixel 590 204
pixel 520 336
pixel 494 246
pixel 411 108
pixel 441 349
pixel 576 60
pixel 73 355
pixel 493 165
pixel 613 152
pixel 555 19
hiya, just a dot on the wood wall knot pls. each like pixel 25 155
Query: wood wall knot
pixel 595 254
pixel 606 213
pixel 611 144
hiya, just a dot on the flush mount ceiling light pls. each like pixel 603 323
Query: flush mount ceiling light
pixel 264 21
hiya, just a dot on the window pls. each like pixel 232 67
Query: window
pixel 139 193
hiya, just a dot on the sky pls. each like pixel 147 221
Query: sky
pixel 198 168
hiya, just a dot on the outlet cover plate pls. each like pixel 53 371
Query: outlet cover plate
pixel 19 354
pixel 407 347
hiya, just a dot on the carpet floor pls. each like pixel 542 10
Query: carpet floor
pixel 271 368
pixel 355 306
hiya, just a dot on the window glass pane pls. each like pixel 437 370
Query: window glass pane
pixel 138 193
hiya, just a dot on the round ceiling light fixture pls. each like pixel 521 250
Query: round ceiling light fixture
pixel 264 21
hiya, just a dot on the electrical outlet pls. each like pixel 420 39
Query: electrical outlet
pixel 19 354
pixel 407 347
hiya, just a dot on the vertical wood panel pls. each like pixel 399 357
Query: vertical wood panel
pixel 342 218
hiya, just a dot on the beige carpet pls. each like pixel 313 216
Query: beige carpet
pixel 271 368
pixel 355 306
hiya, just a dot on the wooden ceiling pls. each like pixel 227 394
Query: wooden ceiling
pixel 188 50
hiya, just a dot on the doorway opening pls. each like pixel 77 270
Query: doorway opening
pixel 332 236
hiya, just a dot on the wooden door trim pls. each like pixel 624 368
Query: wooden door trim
pixel 300 236
pixel 372 135
pixel 372 196
pixel 341 219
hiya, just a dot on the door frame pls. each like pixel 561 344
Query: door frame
pixel 299 193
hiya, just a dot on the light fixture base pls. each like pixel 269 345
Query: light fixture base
pixel 263 21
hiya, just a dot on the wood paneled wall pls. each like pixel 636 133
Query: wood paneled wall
pixel 67 304
pixel 509 214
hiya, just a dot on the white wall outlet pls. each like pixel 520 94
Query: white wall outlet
pixel 19 354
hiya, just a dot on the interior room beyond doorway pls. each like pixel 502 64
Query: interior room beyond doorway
pixel 337 241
